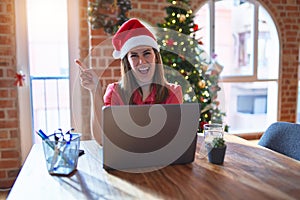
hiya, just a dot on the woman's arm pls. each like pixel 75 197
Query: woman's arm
pixel 96 110
pixel 90 80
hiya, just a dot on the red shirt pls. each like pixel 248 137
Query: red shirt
pixel 112 96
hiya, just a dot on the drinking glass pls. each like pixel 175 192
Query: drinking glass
pixel 212 131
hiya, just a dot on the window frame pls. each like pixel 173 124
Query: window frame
pixel 22 58
pixel 244 78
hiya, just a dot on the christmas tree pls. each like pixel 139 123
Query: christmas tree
pixel 182 52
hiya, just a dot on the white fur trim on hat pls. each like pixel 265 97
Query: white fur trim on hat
pixel 142 40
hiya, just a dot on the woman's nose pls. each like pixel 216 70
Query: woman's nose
pixel 142 60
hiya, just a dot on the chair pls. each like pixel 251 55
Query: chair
pixel 284 138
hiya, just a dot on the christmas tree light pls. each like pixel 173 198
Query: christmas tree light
pixel 183 53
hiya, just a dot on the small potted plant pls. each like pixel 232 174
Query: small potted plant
pixel 216 150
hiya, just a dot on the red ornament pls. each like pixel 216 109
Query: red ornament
pixel 196 27
pixel 200 42
pixel 170 42
pixel 202 125
pixel 20 77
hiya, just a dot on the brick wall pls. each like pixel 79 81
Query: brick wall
pixel 286 14
pixel 10 158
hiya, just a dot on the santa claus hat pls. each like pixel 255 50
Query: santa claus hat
pixel 132 34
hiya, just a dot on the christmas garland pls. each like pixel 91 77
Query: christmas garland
pixel 108 14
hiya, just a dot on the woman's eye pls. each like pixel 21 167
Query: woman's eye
pixel 147 54
pixel 133 56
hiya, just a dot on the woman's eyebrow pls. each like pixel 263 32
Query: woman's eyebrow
pixel 133 53
pixel 147 50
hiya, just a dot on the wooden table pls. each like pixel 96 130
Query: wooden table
pixel 249 172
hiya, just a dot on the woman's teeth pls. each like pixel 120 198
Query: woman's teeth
pixel 144 70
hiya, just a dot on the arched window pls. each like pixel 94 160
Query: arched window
pixel 244 37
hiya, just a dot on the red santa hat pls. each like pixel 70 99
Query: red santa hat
pixel 132 34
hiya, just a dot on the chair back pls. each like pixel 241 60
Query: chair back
pixel 284 138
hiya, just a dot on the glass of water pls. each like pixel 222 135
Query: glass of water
pixel 212 131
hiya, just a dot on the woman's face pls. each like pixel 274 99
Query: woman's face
pixel 142 62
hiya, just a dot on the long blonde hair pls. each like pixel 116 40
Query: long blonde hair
pixel 128 84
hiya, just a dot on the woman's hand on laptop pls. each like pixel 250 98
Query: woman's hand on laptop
pixel 89 78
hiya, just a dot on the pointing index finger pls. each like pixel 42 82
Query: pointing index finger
pixel 80 64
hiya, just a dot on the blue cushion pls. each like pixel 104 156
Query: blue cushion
pixel 284 138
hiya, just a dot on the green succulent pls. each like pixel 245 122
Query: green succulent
pixel 218 142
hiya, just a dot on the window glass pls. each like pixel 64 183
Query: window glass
pixel 234 37
pixel 47 25
pixel 48 37
pixel 268 47
pixel 249 106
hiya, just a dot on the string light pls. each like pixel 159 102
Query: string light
pixel 190 51
pixel 194 98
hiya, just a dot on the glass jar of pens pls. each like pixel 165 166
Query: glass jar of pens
pixel 61 151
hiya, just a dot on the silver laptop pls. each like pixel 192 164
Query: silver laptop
pixel 145 136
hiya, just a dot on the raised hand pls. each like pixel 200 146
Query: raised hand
pixel 89 79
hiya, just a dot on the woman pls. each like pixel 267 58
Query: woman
pixel 142 81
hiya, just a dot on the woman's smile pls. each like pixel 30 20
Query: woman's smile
pixel 144 70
